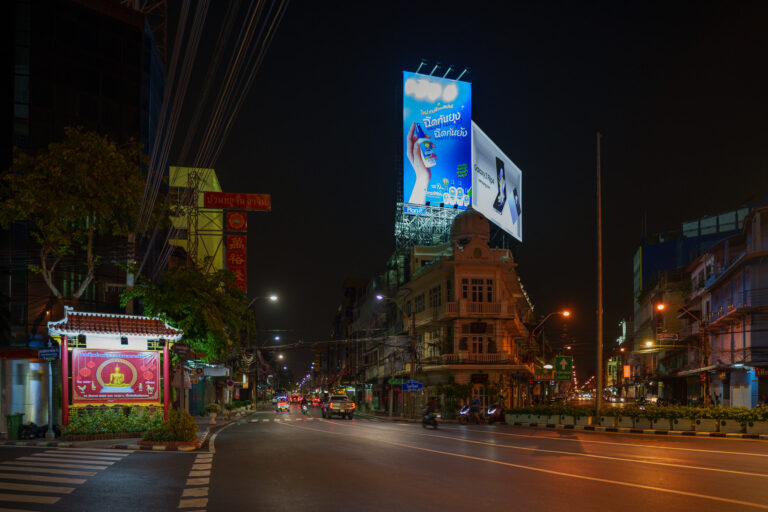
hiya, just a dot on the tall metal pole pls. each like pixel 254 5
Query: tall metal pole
pixel 599 371
pixel 50 434
pixel 65 381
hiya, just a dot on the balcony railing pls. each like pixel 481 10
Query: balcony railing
pixel 466 357
pixel 738 302
pixel 478 309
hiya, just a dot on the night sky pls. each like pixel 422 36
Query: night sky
pixel 678 90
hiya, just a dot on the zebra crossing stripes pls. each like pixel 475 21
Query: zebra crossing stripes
pixel 44 478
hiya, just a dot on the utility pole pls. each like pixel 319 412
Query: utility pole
pixel 599 371
pixel 412 333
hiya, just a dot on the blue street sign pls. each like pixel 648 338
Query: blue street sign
pixel 48 354
pixel 412 385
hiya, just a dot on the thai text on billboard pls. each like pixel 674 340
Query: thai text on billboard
pixel 497 185
pixel 235 201
pixel 115 376
pixel 437 141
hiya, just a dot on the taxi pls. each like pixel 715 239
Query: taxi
pixel 283 405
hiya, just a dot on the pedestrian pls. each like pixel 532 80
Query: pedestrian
pixel 764 399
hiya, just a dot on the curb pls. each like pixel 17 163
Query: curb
pixel 624 430
pixel 51 444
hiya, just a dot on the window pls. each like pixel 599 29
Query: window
pixel 418 303
pixel 449 291
pixel 491 346
pixel 477 290
pixel 463 344
pixel 408 308
pixel 465 288
pixel 489 290
pixel 477 344
pixel 435 297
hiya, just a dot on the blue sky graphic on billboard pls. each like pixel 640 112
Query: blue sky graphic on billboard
pixel 437 141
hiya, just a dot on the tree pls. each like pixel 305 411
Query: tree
pixel 209 307
pixel 78 189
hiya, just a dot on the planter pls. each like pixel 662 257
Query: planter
pixel 99 437
pixel 541 419
pixel 625 422
pixel 584 420
pixel 553 419
pixel 643 423
pixel 527 418
pixel 682 424
pixel 661 424
pixel 608 421
pixel 566 420
pixel 757 427
pixel 731 426
pixel 169 443
pixel 511 418
pixel 213 418
pixel 705 425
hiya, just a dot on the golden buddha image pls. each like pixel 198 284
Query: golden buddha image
pixel 116 378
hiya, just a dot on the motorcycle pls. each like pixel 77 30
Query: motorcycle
pixel 466 416
pixel 495 413
pixel 305 409
pixel 429 418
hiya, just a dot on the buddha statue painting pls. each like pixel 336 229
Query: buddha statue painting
pixel 116 378
pixel 117 382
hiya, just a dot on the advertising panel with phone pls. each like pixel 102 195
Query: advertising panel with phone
pixel 437 141
pixel 497 185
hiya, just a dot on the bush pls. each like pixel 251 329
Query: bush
pixel 110 420
pixel 179 427
pixel 213 407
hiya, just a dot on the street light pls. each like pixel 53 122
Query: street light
pixel 272 298
pixel 649 343
pixel 277 337
pixel 279 356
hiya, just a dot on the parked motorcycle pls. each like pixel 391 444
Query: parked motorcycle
pixel 34 431
pixel 495 413
pixel 466 416
pixel 430 418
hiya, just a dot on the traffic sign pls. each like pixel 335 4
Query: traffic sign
pixel 48 354
pixel 668 337
pixel 395 381
pixel 563 367
pixel 412 385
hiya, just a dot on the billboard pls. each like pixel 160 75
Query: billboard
pixel 497 185
pixel 237 259
pixel 437 141
pixel 235 201
pixel 115 376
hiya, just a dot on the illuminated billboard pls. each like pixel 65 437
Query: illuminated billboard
pixel 437 141
pixel 115 376
pixel 497 185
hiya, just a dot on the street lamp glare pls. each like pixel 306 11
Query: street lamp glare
pixel 648 343
pixel 277 338
pixel 547 366
pixel 566 313
pixel 273 298
pixel 660 306
pixel 379 296
pixel 279 356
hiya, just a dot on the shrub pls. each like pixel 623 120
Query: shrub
pixel 213 407
pixel 179 427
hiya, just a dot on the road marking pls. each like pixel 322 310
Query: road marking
pixel 8 486
pixel 39 462
pixel 110 451
pixel 77 456
pixel 13 510
pixel 198 481
pixel 40 458
pixel 194 492
pixel 198 467
pixel 193 503
pixel 42 478
pixel 29 498
pixel 549 471
pixel 200 473
pixel 211 448
pixel 589 455
pixel 49 470
pixel 613 443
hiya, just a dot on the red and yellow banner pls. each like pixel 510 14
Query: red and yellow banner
pixel 115 376
pixel 237 259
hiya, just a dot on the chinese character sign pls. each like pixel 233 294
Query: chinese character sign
pixel 237 259
pixel 115 376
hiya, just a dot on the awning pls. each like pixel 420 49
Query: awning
pixel 696 371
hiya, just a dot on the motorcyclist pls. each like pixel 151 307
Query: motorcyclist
pixel 304 405
pixel 474 408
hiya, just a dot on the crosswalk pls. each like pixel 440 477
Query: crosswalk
pixel 46 477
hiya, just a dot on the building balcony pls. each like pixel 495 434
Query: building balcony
pixel 734 306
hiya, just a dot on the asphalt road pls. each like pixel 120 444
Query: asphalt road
pixel 287 463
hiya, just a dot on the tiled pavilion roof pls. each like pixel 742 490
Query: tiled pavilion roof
pixel 80 322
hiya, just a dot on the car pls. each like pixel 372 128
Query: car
pixel 283 404
pixel 338 404
pixel 315 401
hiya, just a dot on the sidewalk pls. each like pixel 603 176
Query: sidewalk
pixel 132 443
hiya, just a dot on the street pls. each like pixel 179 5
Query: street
pixel 289 462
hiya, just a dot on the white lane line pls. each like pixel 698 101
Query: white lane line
pixel 199 473
pixel 80 460
pixel 193 503
pixel 198 481
pixel 13 510
pixel 199 467
pixel 550 471
pixel 211 443
pixel 78 456
pixel 52 471
pixel 43 478
pixel 613 443
pixel 8 486
pixel 29 498
pixel 194 492
pixel 50 465
pixel 45 460
pixel 590 455
pixel 105 451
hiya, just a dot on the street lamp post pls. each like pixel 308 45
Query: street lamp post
pixel 703 350
pixel 412 336
pixel 532 334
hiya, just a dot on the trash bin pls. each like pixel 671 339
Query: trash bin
pixel 14 422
